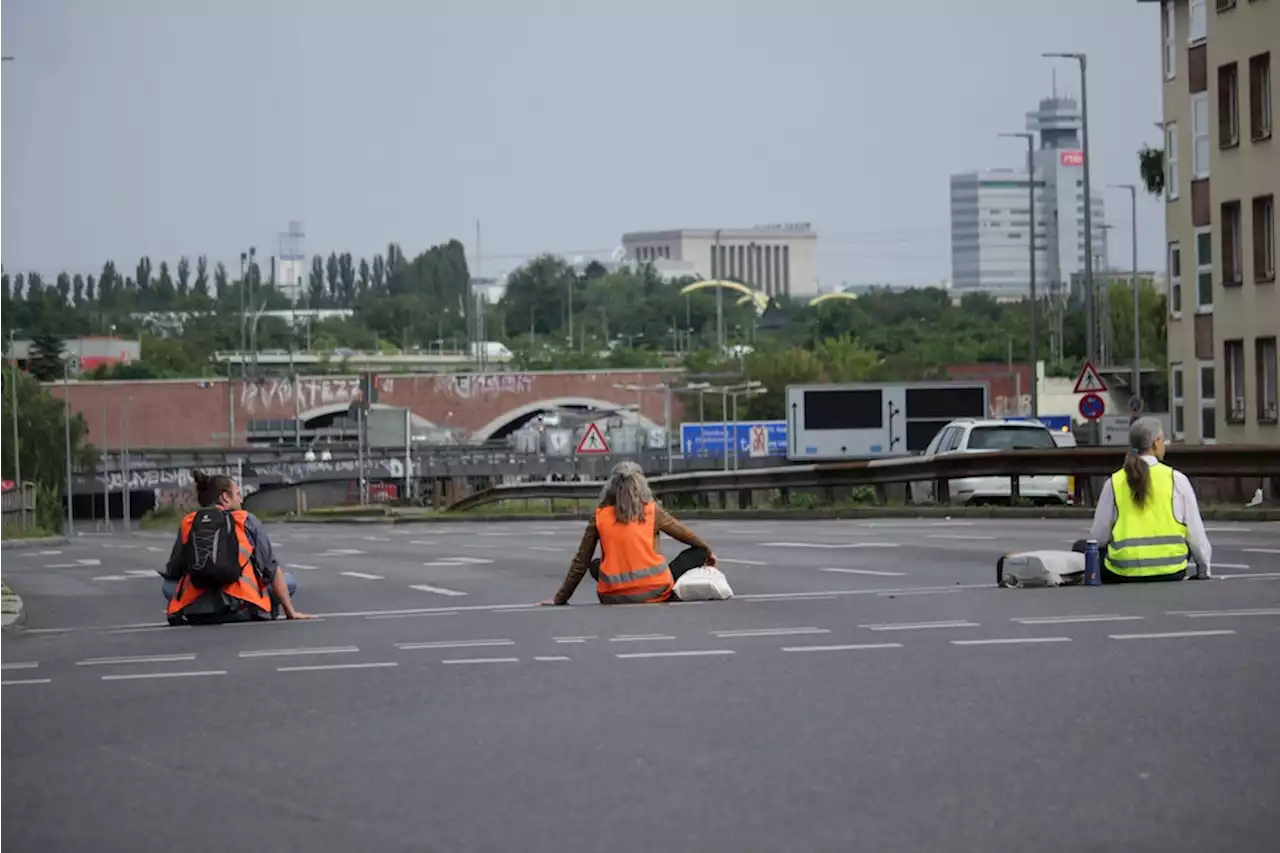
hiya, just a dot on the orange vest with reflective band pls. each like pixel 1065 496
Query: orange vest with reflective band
pixel 632 570
pixel 248 588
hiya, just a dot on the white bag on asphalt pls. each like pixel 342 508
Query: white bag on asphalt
pixel 706 583
pixel 1039 568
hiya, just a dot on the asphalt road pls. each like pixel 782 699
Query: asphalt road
pixel 868 689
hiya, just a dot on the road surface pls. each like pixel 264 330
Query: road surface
pixel 868 689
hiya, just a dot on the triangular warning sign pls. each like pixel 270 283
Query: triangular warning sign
pixel 1090 381
pixel 593 441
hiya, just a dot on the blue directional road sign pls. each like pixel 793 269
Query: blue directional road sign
pixel 1092 407
pixel 707 440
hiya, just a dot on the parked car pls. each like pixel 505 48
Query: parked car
pixel 988 436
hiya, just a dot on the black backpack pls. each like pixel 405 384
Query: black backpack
pixel 213 549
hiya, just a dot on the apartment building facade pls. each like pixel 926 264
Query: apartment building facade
pixel 1222 176
pixel 777 260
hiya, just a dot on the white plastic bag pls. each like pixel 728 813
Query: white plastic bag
pixel 706 583
pixel 1039 568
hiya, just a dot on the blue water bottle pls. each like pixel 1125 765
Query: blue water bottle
pixel 1092 564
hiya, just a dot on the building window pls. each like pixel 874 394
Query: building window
pixel 1264 358
pixel 1208 408
pixel 1260 96
pixel 1232 253
pixel 1224 5
pixel 1171 160
pixel 1204 270
pixel 1170 32
pixel 1233 362
pixel 1264 238
pixel 1228 106
pixel 1176 397
pixel 1196 28
pixel 1175 279
pixel 1200 135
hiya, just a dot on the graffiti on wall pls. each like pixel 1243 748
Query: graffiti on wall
pixel 309 393
pixel 466 386
pixel 165 479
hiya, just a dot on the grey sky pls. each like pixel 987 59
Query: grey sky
pixel 169 127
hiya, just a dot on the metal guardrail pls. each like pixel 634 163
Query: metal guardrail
pixel 1233 461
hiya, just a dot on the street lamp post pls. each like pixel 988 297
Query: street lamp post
pixel 1031 253
pixel 17 447
pixel 1090 302
pixel 1137 302
pixel 717 273
pixel 66 419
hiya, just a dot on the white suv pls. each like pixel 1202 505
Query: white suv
pixel 974 436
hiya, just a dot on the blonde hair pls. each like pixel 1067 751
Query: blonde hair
pixel 627 491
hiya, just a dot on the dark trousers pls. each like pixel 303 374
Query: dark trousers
pixel 689 558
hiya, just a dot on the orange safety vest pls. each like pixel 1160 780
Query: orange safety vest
pixel 632 570
pixel 248 588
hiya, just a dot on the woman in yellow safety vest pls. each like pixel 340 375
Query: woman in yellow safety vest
pixel 1148 518
pixel 626 524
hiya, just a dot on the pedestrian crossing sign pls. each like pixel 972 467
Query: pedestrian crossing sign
pixel 1090 381
pixel 593 441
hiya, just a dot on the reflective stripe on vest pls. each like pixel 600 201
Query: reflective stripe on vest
pixel 247 588
pixel 1148 540
pixel 632 570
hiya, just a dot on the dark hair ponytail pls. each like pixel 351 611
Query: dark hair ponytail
pixel 1138 474
pixel 210 487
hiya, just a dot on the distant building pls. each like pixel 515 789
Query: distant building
pixel 990 222
pixel 85 354
pixel 778 260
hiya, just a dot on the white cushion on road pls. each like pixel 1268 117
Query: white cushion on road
pixel 703 584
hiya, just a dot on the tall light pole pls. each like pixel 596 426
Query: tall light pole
pixel 718 274
pixel 1089 300
pixel 66 419
pixel 1031 266
pixel 1137 302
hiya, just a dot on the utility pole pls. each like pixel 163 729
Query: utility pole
pixel 717 273
pixel 1090 299
pixel 1031 267
pixel 66 421
pixel 1136 381
pixel 17 447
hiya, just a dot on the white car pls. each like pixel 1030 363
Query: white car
pixel 974 436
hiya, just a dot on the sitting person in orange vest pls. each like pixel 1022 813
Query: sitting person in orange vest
pixel 222 568
pixel 626 525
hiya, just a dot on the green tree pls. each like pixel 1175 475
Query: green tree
pixel 142 280
pixel 378 274
pixel 362 282
pixel 184 278
pixel 331 276
pixel 220 285
pixel 77 290
pixel 90 290
pixel 1151 169
pixel 64 287
pixel 315 283
pixel 201 287
pixel 164 289
pixel 347 278
pixel 44 361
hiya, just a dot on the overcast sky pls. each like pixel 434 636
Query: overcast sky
pixel 170 127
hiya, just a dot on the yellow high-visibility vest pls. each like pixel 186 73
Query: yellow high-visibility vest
pixel 1147 540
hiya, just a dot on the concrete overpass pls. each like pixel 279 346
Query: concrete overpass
pixel 200 413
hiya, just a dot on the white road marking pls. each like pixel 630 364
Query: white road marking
pixel 638 638
pixel 135 659
pixel 377 539
pixel 688 653
pixel 363 576
pixel 788 597
pixel 302 567
pixel 857 647
pixel 133 676
pixel 549 549
pixel 15 681
pixel 422 541
pixel 472 560
pixel 841 545
pixel 423 611
pixel 552 658
pixel 865 572
pixel 30 664
pixel 1218 565
pixel 1261 550
pixel 964 536
pixel 438 590
pixel 768 632
pixel 915 524
pixel 76 565
pixel 1168 635
pixel 1249 576
pixel 271 653
pixel 147 629
pixel 941 591
pixel 1203 614
pixel 573 639
pixel 453 644
pixel 154 548
pixel 340 552
pixel 480 660
pixel 133 575
pixel 763 596
pixel 43 553
pixel 413 615
pixel 1066 620
pixel 737 562
pixel 1010 641
pixel 919 626
pixel 324 666
pixel 1228 530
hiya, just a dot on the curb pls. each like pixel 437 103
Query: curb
pixel 41 542
pixel 852 513
pixel 14 612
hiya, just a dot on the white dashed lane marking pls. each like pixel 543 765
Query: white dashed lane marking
pixel 865 572
pixel 1206 614
pixel 438 590
pixel 1169 635
pixel 21 665
pixel 639 638
pixel 134 676
pixel 16 681
pixel 1010 641
pixel 453 644
pixel 689 653
pixel 767 632
pixel 480 660
pixel 326 666
pixel 1069 620
pixel 270 653
pixel 854 647
pixel 120 661
pixel 363 576
pixel 839 546
pixel 919 626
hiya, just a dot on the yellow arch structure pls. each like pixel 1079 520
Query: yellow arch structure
pixel 826 297
pixel 761 301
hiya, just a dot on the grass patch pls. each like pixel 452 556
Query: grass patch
pixel 12 531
